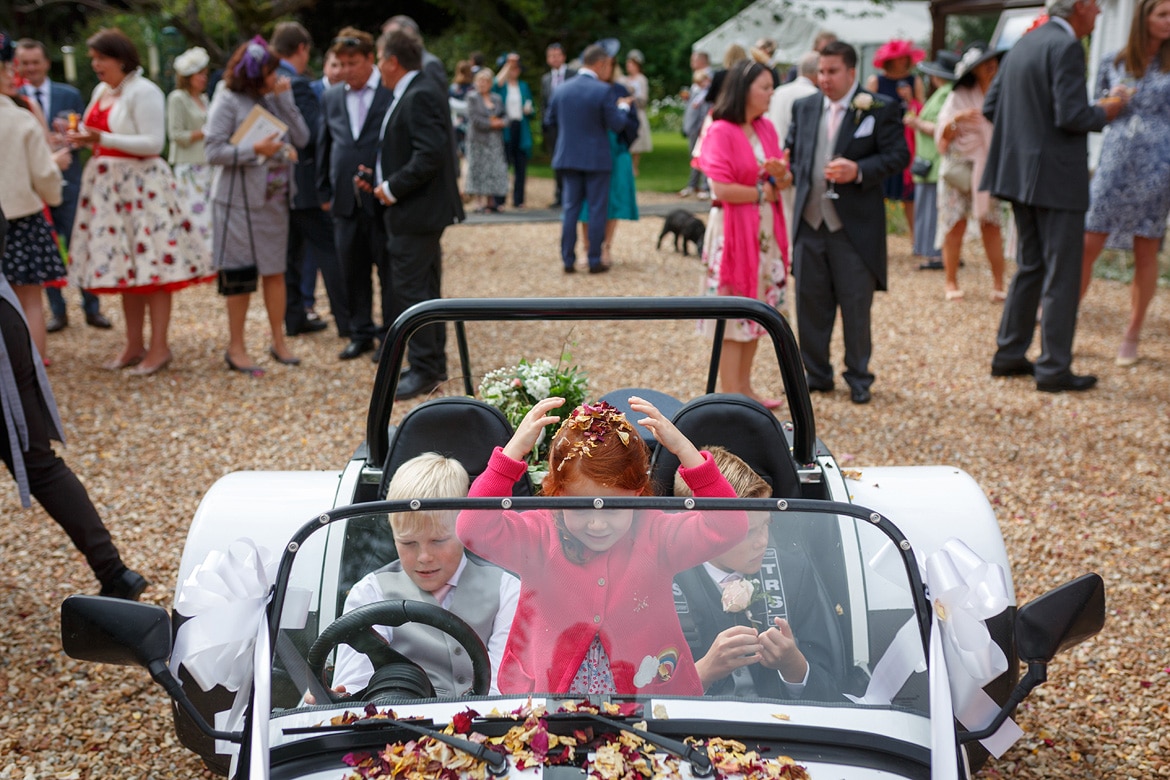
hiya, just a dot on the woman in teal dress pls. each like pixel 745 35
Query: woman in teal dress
pixel 623 195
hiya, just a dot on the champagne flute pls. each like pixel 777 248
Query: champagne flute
pixel 831 190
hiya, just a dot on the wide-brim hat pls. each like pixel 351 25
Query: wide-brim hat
pixel 975 55
pixel 943 65
pixel 192 61
pixel 892 50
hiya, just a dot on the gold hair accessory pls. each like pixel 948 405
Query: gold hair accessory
pixel 594 421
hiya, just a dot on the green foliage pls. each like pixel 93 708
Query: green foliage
pixel 665 169
pixel 963 30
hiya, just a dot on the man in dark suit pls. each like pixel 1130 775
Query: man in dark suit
pixel 32 58
pixel 1039 162
pixel 583 109
pixel 415 176
pixel 558 73
pixel 310 230
pixel 352 113
pixel 842 143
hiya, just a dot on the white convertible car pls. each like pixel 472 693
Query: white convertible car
pixel 896 586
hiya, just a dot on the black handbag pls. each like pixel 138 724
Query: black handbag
pixel 921 167
pixel 241 280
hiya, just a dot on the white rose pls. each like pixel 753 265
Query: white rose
pixel 863 101
pixel 737 595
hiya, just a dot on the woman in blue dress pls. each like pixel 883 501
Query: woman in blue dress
pixel 1129 196
pixel 623 194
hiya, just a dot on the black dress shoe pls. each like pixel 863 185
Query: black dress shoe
pixel 97 320
pixel 931 265
pixel 356 348
pixel 127 585
pixel 414 383
pixel 569 269
pixel 56 323
pixel 816 388
pixel 1020 367
pixel 859 395
pixel 308 326
pixel 600 268
pixel 1069 381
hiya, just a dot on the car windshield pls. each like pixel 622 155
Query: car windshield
pixel 662 622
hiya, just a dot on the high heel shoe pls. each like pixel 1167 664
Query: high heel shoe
pixel 253 371
pixel 141 370
pixel 954 295
pixel 117 364
pixel 292 361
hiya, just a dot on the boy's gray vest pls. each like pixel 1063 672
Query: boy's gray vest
pixel 476 600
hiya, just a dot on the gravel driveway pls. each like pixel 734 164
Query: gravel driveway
pixel 1076 480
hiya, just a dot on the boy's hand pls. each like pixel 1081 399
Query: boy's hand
pixel 778 651
pixel 529 430
pixel 733 647
pixel 668 436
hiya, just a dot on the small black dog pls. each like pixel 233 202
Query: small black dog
pixel 685 226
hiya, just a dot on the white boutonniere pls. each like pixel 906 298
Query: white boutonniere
pixel 862 102
pixel 737 595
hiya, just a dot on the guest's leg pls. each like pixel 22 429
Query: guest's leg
pixel 574 195
pixel 1063 236
pixel 356 259
pixel 993 246
pixel 294 310
pixel 321 253
pixel 853 289
pixel 908 210
pixel 237 312
pixel 597 193
pixel 1018 321
pixel 416 267
pixel 90 303
pixel 1145 284
pixel 159 304
pixel 56 302
pixel 29 296
pixel 1094 243
pixel 275 289
pixel 134 311
pixel 520 178
pixel 952 247
pixel 816 310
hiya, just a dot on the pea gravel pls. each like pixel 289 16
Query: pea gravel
pixel 1076 480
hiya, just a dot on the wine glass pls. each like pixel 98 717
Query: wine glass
pixel 831 190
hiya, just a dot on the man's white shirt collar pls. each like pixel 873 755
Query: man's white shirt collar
pixel 586 71
pixel 843 102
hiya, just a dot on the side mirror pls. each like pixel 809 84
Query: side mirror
pixel 1062 617
pixel 115 631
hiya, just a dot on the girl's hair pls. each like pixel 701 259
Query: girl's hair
pixel 598 443
pixel 1133 56
pixel 249 67
pixel 734 54
pixel 731 104
pixel 112 42
pixel 745 482
pixel 429 475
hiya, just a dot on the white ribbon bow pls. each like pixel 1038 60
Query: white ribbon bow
pixel 225 639
pixel 965 590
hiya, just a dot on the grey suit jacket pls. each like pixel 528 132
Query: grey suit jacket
pixel 878 154
pixel 1042 116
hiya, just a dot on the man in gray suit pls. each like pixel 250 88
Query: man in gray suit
pixel 841 144
pixel 558 73
pixel 1039 162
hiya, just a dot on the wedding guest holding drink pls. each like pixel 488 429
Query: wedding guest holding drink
pixel 186 116
pixel 251 190
pixel 1129 195
pixel 516 97
pixel 148 250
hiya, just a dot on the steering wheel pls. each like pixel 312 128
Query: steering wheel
pixel 356 630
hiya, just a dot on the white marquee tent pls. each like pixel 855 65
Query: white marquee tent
pixel 793 24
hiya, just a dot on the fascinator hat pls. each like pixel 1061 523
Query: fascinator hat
pixel 892 50
pixel 256 56
pixel 192 61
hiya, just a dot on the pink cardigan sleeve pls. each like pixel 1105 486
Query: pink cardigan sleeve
pixel 513 540
pixel 686 540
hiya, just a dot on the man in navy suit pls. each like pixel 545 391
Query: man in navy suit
pixel 1039 161
pixel 583 109
pixel 558 73
pixel 32 59
pixel 352 113
pixel 842 143
pixel 310 231
pixel 415 177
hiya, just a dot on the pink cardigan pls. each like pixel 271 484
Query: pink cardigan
pixel 727 157
pixel 623 595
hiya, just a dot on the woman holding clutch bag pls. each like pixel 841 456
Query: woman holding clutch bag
pixel 250 192
pixel 129 236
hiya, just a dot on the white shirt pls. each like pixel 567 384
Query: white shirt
pixel 844 103
pixel 1065 24
pixel 399 89
pixel 354 669
pixel 45 88
pixel 717 575
pixel 358 101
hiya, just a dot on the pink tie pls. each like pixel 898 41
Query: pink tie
pixel 835 110
pixel 441 593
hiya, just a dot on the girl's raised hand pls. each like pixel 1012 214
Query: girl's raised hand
pixel 668 435
pixel 529 429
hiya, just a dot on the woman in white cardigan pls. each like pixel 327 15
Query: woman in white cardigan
pixel 131 236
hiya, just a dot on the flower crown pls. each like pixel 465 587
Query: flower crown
pixel 594 421
pixel 255 55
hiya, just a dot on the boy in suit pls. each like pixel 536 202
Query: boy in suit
pixel 842 143
pixel 32 59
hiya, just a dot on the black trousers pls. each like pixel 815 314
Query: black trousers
pixel 51 482
pixel 310 231
pixel 361 248
pixel 416 273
